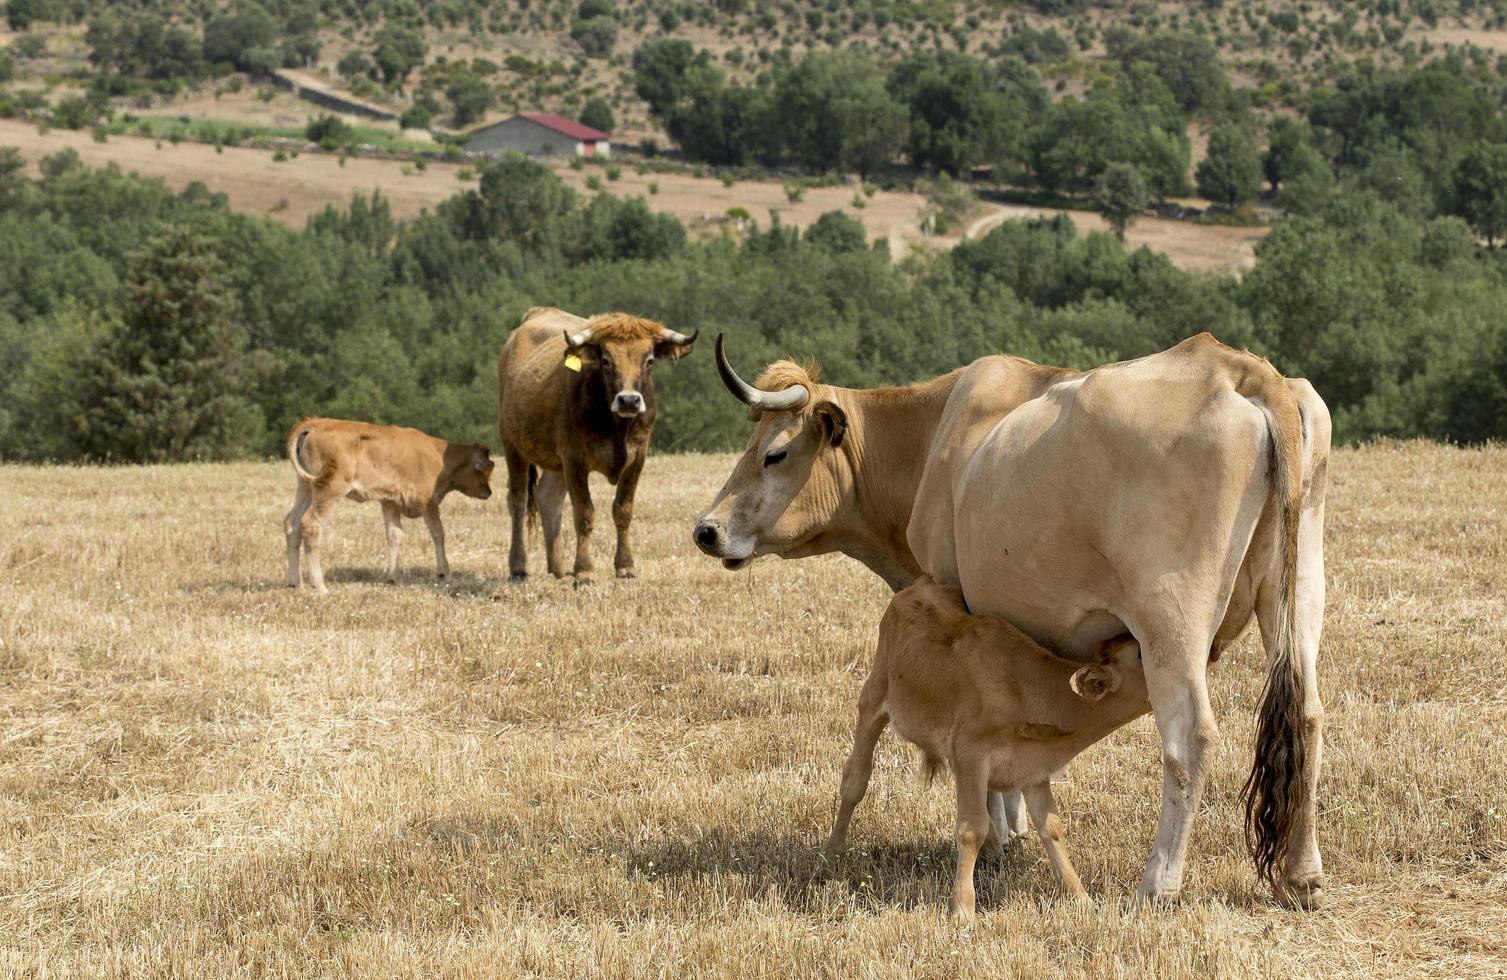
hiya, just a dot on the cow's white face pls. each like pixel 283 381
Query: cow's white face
pixel 785 489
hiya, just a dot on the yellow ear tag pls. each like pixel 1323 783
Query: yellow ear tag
pixel 572 362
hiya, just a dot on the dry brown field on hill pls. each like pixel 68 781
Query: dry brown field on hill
pixel 294 189
pixel 204 773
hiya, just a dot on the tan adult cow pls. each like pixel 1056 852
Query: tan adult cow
pixel 576 396
pixel 1173 497
pixel 407 472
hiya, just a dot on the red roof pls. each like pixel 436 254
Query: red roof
pixel 567 127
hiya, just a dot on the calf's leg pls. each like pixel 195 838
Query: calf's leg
pixel 1049 829
pixel 972 774
pixel 437 535
pixel 311 527
pixel 393 521
pixel 860 765
pixel 293 533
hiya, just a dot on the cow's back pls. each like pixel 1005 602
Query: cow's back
pixel 373 462
pixel 531 385
pixel 1107 488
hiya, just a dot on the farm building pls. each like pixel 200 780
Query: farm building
pixel 540 134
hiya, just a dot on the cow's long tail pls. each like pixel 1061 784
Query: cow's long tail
pixel 1275 793
pixel 532 506
pixel 296 438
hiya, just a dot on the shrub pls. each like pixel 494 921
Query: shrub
pixel 329 132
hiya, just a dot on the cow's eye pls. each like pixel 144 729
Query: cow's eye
pixel 775 457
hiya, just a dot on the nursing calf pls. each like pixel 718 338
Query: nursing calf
pixel 1002 712
pixel 406 471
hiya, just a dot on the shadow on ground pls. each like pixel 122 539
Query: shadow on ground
pixel 878 874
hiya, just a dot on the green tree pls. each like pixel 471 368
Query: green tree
pixel 1286 140
pixel 21 14
pixel 516 200
pixel 1309 183
pixel 1231 171
pixel 1480 190
pixel 964 113
pixel 471 96
pixel 598 114
pixel 595 35
pixel 228 38
pixel 353 65
pixel 399 51
pixel 660 66
pixel 329 131
pixel 1120 195
pixel 836 232
pixel 171 382
pixel 1187 63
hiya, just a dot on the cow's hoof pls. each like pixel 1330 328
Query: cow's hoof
pixel 1156 900
pixel 625 573
pixel 1306 892
pixel 441 577
pixel 583 579
pixel 518 578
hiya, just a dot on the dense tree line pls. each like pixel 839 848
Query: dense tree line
pixel 140 324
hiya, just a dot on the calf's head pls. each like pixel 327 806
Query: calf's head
pixel 616 353
pixel 791 481
pixel 468 469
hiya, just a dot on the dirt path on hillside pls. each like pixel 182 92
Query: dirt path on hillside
pixel 1190 246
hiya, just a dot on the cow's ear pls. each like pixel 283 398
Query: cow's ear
pixel 833 420
pixel 671 350
pixel 1095 682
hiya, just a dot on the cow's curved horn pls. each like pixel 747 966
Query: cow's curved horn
pixel 787 400
pixel 577 339
pixel 679 338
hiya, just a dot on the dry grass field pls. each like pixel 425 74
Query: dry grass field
pixel 204 773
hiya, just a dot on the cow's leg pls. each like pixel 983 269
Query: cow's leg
pixel 437 535
pixel 972 774
pixel 293 531
pixel 860 765
pixel 1177 684
pixel 518 512
pixel 1007 819
pixel 549 492
pixel 1302 869
pixel 622 516
pixel 1049 829
pixel 311 528
pixel 392 520
pixel 576 477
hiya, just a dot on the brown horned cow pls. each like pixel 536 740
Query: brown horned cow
pixel 1000 710
pixel 576 396
pixel 405 470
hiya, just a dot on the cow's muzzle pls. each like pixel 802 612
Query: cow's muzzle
pixel 628 404
pixel 710 538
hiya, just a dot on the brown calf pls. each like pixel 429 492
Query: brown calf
pixel 999 709
pixel 405 470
